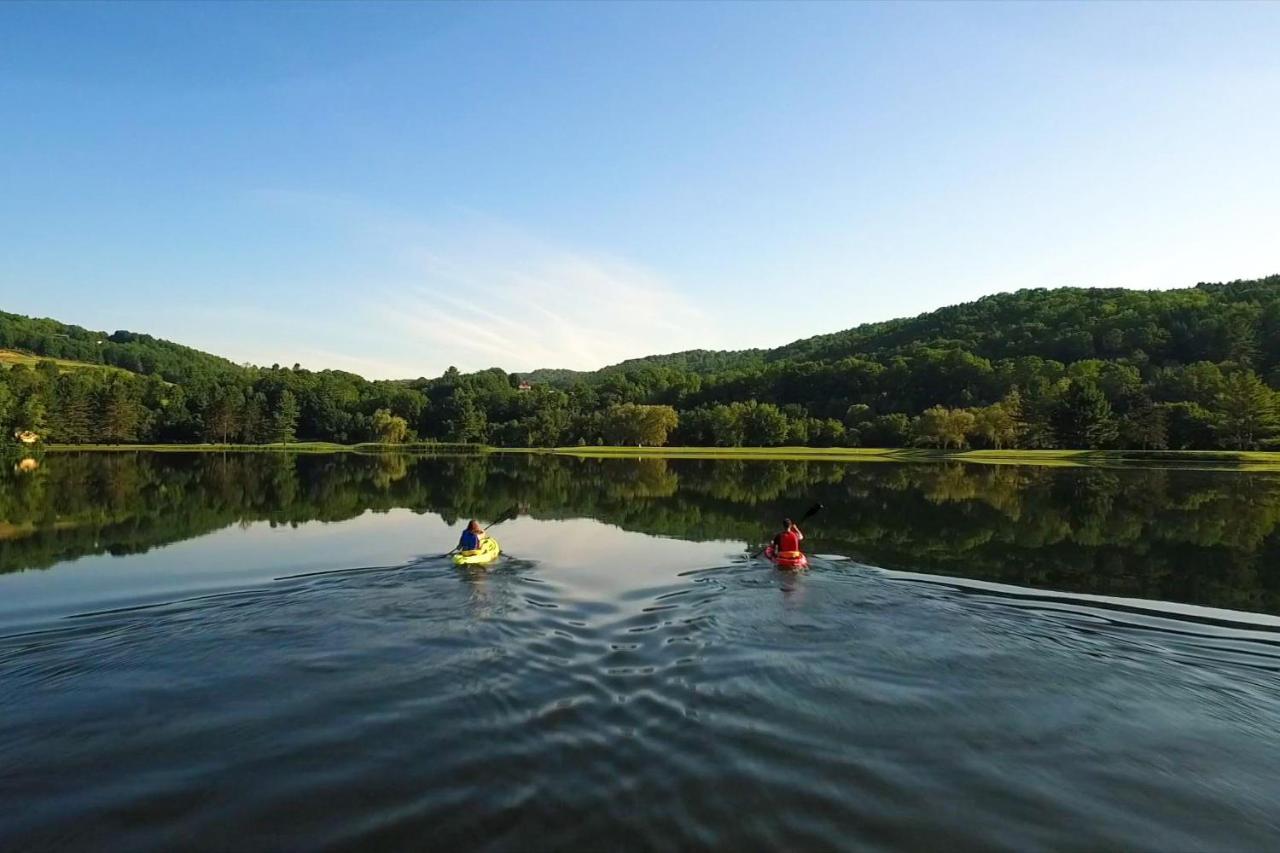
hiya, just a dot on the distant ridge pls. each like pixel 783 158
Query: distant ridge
pixel 1044 322
pixel 1068 368
pixel 1049 323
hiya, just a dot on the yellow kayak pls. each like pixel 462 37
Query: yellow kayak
pixel 487 552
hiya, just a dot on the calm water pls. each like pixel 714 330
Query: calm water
pixel 263 652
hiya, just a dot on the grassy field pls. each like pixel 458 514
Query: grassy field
pixel 1247 458
pixel 9 357
pixel 1239 460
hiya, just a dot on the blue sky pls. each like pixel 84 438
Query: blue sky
pixel 392 189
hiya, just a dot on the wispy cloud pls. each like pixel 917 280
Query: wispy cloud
pixel 478 293
pixel 511 302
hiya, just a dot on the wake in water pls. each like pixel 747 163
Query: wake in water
pixel 727 705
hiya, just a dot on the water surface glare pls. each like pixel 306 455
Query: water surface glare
pixel 337 685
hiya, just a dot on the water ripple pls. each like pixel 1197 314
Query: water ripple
pixel 410 706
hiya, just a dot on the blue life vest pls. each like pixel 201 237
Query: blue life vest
pixel 469 541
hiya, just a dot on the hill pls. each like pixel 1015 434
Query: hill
pixel 1064 324
pixel 136 353
pixel 554 376
pixel 1069 367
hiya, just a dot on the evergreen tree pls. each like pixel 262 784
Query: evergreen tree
pixel 119 410
pixel 1188 425
pixel 1145 425
pixel 284 420
pixel 1083 418
pixel 8 406
pixel 1246 411
pixel 74 406
pixel 222 417
pixel 254 419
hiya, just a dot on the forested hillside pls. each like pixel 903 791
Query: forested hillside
pixel 1076 368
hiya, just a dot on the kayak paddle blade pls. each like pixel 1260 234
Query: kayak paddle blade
pixel 813 510
pixel 506 516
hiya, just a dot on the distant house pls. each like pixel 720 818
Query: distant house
pixel 524 386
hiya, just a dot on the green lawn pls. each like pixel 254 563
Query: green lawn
pixel 1249 458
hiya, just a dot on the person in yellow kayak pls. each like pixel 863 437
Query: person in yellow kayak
pixel 472 537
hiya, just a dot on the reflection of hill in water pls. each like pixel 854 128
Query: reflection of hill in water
pixel 1207 537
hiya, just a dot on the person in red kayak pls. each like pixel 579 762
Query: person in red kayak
pixel 472 537
pixel 787 543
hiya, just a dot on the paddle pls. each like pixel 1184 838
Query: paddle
pixel 506 516
pixel 812 511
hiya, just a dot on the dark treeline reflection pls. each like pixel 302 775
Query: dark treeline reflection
pixel 1204 537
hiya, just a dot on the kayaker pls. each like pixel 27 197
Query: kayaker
pixel 787 542
pixel 471 537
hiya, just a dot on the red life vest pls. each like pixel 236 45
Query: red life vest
pixel 788 541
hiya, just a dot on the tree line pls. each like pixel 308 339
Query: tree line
pixel 1195 368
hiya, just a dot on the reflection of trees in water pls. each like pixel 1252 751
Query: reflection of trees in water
pixel 1193 536
pixel 390 468
pixel 1208 537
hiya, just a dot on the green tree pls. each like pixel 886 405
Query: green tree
pixel 1246 411
pixel 942 427
pixel 1188 425
pixel 630 423
pixel 797 432
pixel 284 420
pixel 727 428
pixel 8 406
pixel 1000 424
pixel 73 408
pixel 763 424
pixel 1145 425
pixel 827 432
pixel 1083 417
pixel 253 418
pixel 120 411
pixel 222 417
pixel 888 430
pixel 389 428
pixel 32 415
pixel 464 420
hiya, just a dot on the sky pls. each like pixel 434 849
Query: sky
pixel 394 189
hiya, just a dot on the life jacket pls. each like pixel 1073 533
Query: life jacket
pixel 469 541
pixel 788 542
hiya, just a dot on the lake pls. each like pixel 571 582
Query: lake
pixel 264 651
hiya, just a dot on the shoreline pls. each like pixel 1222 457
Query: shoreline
pixel 1259 459
pixel 1248 459
pixel 287 447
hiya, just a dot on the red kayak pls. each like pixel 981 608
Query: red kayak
pixel 787 559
